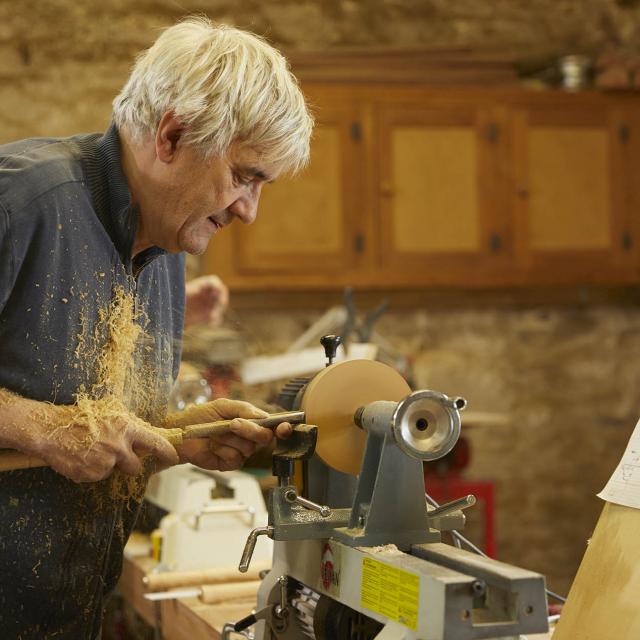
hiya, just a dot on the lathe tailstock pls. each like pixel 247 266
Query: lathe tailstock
pixel 377 568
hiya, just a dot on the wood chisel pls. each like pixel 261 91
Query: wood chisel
pixel 12 460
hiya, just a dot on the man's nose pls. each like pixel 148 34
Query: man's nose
pixel 245 208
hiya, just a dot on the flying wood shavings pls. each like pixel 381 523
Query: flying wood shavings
pixel 125 384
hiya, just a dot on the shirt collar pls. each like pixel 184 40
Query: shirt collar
pixel 112 199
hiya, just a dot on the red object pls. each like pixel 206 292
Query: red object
pixel 220 377
pixel 445 489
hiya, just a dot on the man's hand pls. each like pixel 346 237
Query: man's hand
pixel 83 445
pixel 88 451
pixel 230 451
pixel 206 301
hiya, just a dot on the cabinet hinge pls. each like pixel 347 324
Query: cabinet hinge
pixel 356 131
pixel 624 132
pixel 492 132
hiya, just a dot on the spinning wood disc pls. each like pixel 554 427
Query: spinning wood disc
pixel 331 399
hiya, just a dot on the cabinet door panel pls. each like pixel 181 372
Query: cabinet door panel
pixel 569 196
pixel 570 193
pixel 304 224
pixel 441 203
pixel 435 167
pixel 302 213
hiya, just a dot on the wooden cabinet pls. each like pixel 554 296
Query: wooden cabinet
pixel 305 224
pixel 421 187
pixel 440 215
pixel 573 201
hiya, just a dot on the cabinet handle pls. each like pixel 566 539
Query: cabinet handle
pixel 627 241
pixel 356 131
pixel 358 243
pixel 495 242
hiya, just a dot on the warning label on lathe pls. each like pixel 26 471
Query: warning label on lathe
pixel 391 592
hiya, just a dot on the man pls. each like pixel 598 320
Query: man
pixel 92 234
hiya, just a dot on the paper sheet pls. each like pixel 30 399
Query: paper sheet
pixel 624 485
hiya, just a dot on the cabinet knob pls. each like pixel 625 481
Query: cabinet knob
pixel 386 189
pixel 358 243
pixel 523 192
pixel 627 241
pixel 624 132
pixel 492 132
pixel 495 242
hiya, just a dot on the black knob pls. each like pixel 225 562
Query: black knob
pixel 282 467
pixel 330 344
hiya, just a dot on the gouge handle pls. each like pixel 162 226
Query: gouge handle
pixel 11 460
pixel 174 436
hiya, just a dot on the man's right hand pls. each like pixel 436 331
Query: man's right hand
pixel 82 449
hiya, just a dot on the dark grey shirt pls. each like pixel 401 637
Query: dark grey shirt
pixel 66 233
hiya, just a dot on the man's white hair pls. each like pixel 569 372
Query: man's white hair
pixel 225 85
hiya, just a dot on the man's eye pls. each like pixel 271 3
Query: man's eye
pixel 241 180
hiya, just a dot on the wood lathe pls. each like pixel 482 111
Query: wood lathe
pixel 357 550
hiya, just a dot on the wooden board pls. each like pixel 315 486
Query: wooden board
pixel 603 601
pixel 190 619
pixel 132 589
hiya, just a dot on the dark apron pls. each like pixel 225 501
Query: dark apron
pixel 61 547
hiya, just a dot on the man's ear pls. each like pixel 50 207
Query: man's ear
pixel 168 134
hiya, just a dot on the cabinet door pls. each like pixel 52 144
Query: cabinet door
pixel 303 231
pixel 442 207
pixel 572 194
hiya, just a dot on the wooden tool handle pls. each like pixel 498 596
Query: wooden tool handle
pixel 13 460
pixel 216 593
pixel 174 436
pixel 178 579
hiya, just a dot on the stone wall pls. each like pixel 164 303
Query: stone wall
pixel 567 377
pixel 62 61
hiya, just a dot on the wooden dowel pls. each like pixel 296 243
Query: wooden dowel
pixel 177 579
pixel 216 593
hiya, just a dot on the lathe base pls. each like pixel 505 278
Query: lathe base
pixel 413 597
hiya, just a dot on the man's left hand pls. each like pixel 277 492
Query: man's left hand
pixel 207 298
pixel 230 451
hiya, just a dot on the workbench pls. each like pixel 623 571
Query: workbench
pixel 184 619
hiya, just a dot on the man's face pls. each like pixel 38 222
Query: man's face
pixel 196 197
